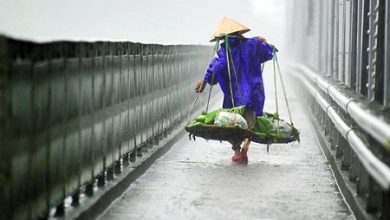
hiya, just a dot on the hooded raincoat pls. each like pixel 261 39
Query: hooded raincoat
pixel 247 55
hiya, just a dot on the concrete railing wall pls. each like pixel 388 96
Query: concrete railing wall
pixel 73 113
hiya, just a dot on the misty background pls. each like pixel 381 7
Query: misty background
pixel 146 21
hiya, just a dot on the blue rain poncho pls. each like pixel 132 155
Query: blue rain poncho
pixel 247 54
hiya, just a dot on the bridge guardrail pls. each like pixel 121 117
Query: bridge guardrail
pixel 72 114
pixel 342 50
pixel 369 122
pixel 356 144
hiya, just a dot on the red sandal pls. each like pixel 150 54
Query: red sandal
pixel 244 158
pixel 240 158
pixel 236 158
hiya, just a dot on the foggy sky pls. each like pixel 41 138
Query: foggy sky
pixel 147 21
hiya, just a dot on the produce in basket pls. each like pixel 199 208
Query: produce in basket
pixel 209 118
pixel 230 119
pixel 268 126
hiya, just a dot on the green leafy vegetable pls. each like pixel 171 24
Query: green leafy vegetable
pixel 201 118
pixel 238 110
pixel 210 117
pixel 195 124
pixel 263 124
pixel 270 126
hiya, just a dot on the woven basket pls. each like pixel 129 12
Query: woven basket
pixel 272 141
pixel 233 134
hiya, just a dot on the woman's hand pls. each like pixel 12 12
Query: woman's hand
pixel 200 85
pixel 260 38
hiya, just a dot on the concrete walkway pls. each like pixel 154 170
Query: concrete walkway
pixel 197 180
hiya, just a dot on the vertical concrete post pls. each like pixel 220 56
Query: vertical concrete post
pixel 359 51
pixel 386 205
pixel 347 153
pixel 342 33
pixel 362 187
pixel 5 202
pixel 353 43
pixel 363 58
pixel 374 200
pixel 386 77
pixel 134 126
pixel 373 47
pixel 336 44
pixel 355 167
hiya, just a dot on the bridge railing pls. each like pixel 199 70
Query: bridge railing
pixel 342 61
pixel 72 114
pixel 346 40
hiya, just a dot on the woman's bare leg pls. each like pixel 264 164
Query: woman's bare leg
pixel 237 152
pixel 245 146
pixel 236 148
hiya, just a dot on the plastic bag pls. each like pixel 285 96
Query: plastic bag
pixel 284 130
pixel 230 119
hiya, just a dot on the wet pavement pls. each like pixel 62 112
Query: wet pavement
pixel 197 180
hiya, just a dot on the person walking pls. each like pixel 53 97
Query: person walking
pixel 245 85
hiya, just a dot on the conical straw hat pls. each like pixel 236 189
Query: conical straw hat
pixel 228 26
